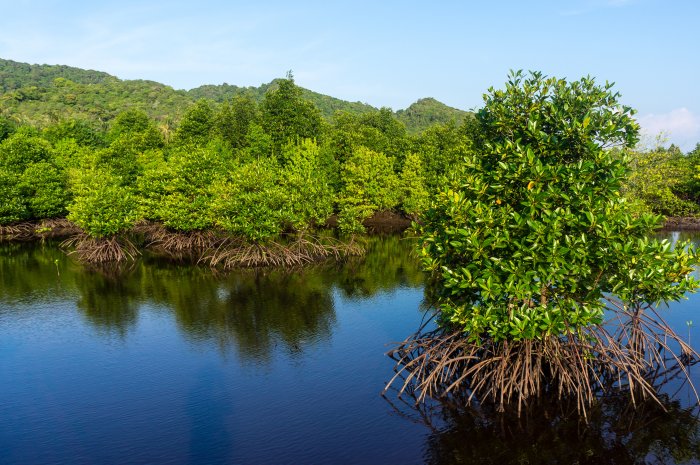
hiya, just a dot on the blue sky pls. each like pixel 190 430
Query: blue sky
pixel 385 53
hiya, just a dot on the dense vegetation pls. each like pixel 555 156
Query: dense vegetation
pixel 249 180
pixel 249 172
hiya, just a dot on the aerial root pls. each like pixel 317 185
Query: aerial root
pixel 641 354
pixel 191 244
pixel 235 253
pixel 18 231
pixel 47 228
pixel 101 250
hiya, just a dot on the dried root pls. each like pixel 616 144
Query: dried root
pixel 101 250
pixel 639 355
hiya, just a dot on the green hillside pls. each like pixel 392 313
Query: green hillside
pixel 427 112
pixel 42 94
pixel 15 75
pixel 326 104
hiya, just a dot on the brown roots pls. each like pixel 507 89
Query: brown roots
pixel 18 232
pixel 179 245
pixel 101 250
pixel 55 227
pixel 235 253
pixel 640 354
pixel 44 229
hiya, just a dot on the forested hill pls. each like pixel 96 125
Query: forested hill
pixel 327 104
pixel 15 75
pixel 428 111
pixel 41 94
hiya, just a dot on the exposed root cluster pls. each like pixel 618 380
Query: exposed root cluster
pixel 177 244
pixel 101 250
pixel 18 231
pixel 636 353
pixel 232 253
pixel 210 247
pixel 56 227
pixel 29 230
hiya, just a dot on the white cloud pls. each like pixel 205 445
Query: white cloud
pixel 680 126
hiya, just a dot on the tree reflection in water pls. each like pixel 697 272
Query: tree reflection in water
pixel 551 431
pixel 255 311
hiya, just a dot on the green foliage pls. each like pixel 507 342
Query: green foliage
pixel 102 206
pixel 197 124
pixel 176 191
pixel 33 92
pixel 306 181
pixel 14 75
pixel 83 132
pixel 67 153
pixel 327 105
pixel 257 143
pixel 45 189
pixel 414 195
pixel 286 115
pixel 428 112
pixel 249 202
pixel 120 159
pixel 531 231
pixel 370 184
pixel 7 127
pixel 441 148
pixel 13 207
pixel 21 149
pixel 378 131
pixel 687 187
pixel 656 178
pixel 234 120
pixel 31 186
pixel 129 122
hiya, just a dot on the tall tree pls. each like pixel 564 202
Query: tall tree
pixel 197 124
pixel 287 115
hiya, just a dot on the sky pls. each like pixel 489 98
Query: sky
pixel 385 53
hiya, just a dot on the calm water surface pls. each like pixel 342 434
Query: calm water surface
pixel 168 363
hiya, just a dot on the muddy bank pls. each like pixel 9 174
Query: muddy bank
pixel 686 223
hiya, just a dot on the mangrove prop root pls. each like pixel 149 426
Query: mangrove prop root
pixel 177 244
pixel 235 253
pixel 101 250
pixel 18 231
pixel 637 353
pixel 57 227
pixel 48 228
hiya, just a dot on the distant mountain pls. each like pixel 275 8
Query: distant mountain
pixel 427 112
pixel 15 75
pixel 40 94
pixel 326 104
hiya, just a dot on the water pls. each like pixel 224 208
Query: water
pixel 167 363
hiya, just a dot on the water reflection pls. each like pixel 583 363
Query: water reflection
pixel 254 312
pixel 312 412
pixel 552 432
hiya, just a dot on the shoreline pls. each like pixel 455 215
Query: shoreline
pixel 681 223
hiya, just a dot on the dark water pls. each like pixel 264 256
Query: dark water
pixel 166 363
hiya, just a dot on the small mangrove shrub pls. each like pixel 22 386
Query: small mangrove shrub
pixel 530 243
